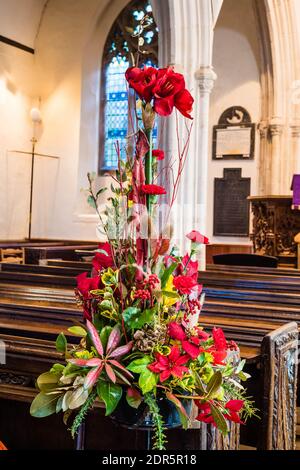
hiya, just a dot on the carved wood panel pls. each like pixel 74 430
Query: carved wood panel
pixel 280 367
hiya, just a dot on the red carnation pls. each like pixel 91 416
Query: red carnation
pixel 158 154
pixel 153 189
pixel 196 237
pixel 184 284
pixel 173 364
pixel 189 267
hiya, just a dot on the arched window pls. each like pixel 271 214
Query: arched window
pixel 117 57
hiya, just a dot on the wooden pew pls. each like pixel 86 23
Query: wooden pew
pixel 34 255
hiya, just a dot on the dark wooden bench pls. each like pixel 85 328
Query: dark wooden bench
pixel 34 255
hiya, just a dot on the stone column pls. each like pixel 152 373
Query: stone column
pixel 276 130
pixel 295 132
pixel 264 160
pixel 205 77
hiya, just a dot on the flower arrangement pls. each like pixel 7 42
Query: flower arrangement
pixel 142 340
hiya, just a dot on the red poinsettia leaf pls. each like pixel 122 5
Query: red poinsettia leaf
pixel 190 349
pixel 113 340
pixel 95 337
pixel 92 377
pixel 117 364
pixel 122 350
pixel 110 373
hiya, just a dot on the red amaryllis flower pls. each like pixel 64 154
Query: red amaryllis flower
pixel 101 260
pixel 153 189
pixel 173 364
pixel 158 154
pixel 196 237
pixel 184 284
pixel 234 407
pixel 142 81
pixel 184 101
pixel 86 284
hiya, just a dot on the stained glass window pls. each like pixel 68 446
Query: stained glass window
pixel 117 57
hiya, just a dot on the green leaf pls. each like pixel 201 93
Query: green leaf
pixel 102 190
pixel 58 407
pixel 136 319
pixel 240 366
pixel 47 381
pixel 61 343
pixel 139 365
pixel 57 369
pixel 167 273
pixel 111 394
pixel 43 405
pixel 214 385
pixel 78 398
pixel 77 330
pixel 199 383
pixel 133 397
pixel 147 381
pixel 104 335
pixel 219 419
pixel 91 202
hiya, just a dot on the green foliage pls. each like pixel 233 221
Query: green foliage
pixel 80 417
pixel 135 319
pixel 159 437
pixel 47 381
pixel 44 405
pixel 147 381
pixel 78 331
pixel 214 385
pixel 61 343
pixel 166 274
pixel 219 419
pixel 111 395
pixel 139 365
pixel 133 398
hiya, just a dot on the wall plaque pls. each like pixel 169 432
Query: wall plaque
pixel 234 136
pixel 231 207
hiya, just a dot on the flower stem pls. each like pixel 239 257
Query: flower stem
pixel 149 166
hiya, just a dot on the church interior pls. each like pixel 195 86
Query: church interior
pixel 65 114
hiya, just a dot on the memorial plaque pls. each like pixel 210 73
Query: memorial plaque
pixel 234 136
pixel 231 207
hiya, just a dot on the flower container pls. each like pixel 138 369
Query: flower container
pixel 141 419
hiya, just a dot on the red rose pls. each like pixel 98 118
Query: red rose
pixel 142 81
pixel 158 154
pixel 196 237
pixel 102 260
pixel 184 284
pixel 153 189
